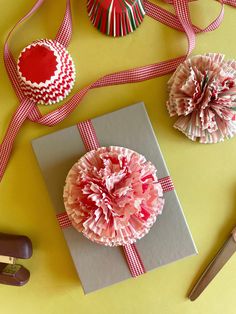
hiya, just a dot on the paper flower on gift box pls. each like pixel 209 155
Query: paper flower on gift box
pixel 203 96
pixel 112 195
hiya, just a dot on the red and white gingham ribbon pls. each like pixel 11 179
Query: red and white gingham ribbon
pixel 88 135
pixel 180 21
pixel 90 140
pixel 134 260
pixel 28 109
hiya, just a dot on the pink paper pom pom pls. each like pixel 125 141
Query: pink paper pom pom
pixel 203 96
pixel 112 196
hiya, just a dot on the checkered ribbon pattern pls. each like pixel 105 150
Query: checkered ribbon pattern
pixel 88 135
pixel 90 140
pixel 27 109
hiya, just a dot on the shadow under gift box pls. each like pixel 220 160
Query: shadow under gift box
pixel 168 240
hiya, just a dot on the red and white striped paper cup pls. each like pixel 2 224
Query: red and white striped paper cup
pixel 46 71
pixel 116 17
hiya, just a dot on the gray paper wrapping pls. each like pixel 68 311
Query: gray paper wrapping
pixel 168 240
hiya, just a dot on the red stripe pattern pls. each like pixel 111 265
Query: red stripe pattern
pixel 13 129
pixel 64 33
pixel 54 86
pixel 116 17
pixel 63 220
pixel 166 184
pixel 182 12
pixel 134 260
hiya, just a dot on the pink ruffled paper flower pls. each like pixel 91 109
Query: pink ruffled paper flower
pixel 112 195
pixel 203 96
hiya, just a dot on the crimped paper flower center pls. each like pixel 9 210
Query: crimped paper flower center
pixel 203 95
pixel 112 195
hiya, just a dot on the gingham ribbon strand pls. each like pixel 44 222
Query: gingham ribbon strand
pixel 90 140
pixel 134 260
pixel 27 108
pixel 88 135
pixel 180 21
pixel 22 112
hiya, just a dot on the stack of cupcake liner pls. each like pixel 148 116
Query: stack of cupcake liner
pixel 46 71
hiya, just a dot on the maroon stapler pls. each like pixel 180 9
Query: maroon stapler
pixel 13 247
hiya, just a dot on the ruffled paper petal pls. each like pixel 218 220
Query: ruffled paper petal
pixel 202 93
pixel 112 196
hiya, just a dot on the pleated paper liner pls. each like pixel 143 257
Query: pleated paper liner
pixel 116 17
pixel 46 71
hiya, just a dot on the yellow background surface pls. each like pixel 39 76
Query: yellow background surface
pixel 204 175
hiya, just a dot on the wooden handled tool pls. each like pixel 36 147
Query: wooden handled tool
pixel 215 266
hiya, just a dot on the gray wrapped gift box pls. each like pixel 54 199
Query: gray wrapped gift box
pixel 168 240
